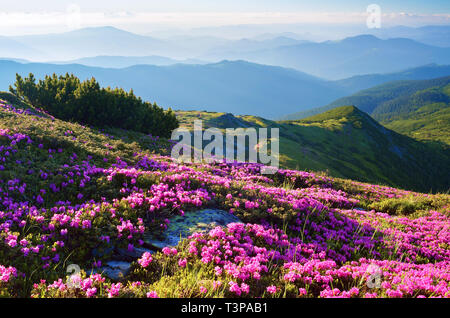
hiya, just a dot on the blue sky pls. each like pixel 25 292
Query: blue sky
pixel 412 6
pixel 141 16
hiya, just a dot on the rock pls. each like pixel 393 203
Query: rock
pixel 115 270
pixel 125 254
pixel 100 252
pixel 180 227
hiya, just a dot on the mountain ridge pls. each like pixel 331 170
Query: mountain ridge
pixel 232 86
pixel 348 143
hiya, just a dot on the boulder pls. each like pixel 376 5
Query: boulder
pixel 180 227
pixel 115 270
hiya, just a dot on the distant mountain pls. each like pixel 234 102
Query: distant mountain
pixel 372 100
pixel 110 41
pixel 360 82
pixel 437 35
pixel 248 45
pixel 93 42
pixel 12 49
pixel 127 61
pixel 363 54
pixel 347 143
pixel 238 87
pixel 215 46
pixel 268 36
pixel 357 55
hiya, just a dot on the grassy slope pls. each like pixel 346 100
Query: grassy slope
pixel 424 115
pixel 369 99
pixel 348 143
pixel 419 109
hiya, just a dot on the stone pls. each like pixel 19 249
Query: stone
pixel 115 270
pixel 100 252
pixel 125 254
pixel 180 227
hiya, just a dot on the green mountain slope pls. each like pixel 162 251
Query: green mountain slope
pixel 430 122
pixel 419 109
pixel 425 72
pixel 369 99
pixel 348 143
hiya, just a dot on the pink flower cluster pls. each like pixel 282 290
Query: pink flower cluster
pixel 6 273
pixel 145 259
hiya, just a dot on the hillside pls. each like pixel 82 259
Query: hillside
pixel 415 108
pixel 92 214
pixel 347 143
pixel 429 123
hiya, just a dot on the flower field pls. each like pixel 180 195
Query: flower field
pixel 71 194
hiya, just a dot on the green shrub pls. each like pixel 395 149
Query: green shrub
pixel 67 98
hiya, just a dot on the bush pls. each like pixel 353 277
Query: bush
pixel 67 98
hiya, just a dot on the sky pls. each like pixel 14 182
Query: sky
pixel 44 16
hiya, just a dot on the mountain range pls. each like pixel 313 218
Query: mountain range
pixel 337 59
pixel 108 61
pixel 238 87
pixel 363 54
pixel 110 41
pixel 418 108
pixel 436 35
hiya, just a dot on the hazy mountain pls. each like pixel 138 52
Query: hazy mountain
pixel 358 55
pixel 437 35
pixel 12 49
pixel 237 87
pixel 127 61
pixel 364 54
pixel 248 45
pixel 93 42
pixel 360 82
pixel 268 36
pixel 110 41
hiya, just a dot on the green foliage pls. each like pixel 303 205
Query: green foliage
pixel 67 98
pixel 409 205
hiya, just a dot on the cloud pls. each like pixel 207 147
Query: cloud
pixel 73 17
